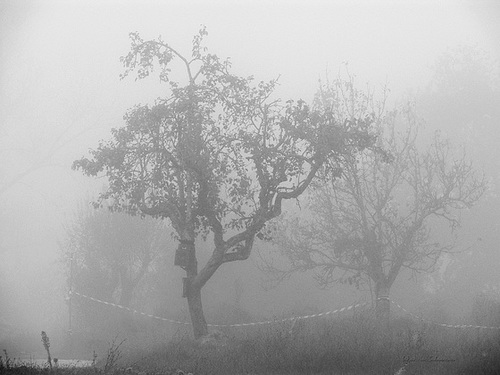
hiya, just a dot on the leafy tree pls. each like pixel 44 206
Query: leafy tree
pixel 217 156
pixel 109 253
pixel 384 214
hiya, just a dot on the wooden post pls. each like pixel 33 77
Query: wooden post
pixel 70 307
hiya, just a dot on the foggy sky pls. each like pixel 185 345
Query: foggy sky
pixel 60 90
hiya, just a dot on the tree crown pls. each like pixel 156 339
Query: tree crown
pixel 218 153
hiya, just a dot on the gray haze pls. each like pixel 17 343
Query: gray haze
pixel 60 94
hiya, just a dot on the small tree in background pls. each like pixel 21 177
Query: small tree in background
pixel 217 156
pixel 109 253
pixel 463 99
pixel 383 215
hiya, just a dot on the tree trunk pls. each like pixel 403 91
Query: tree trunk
pixel 127 287
pixel 186 258
pixel 382 302
pixel 196 312
pixel 382 311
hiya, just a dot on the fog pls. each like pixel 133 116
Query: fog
pixel 60 93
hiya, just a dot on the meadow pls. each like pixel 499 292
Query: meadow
pixel 354 343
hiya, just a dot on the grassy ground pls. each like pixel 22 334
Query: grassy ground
pixel 348 345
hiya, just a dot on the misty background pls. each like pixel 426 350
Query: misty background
pixel 60 93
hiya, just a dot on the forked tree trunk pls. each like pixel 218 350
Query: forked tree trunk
pixel 190 263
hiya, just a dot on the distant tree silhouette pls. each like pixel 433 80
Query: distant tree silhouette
pixel 110 253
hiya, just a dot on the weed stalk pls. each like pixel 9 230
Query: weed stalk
pixel 46 345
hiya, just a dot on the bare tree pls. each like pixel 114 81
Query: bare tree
pixel 384 214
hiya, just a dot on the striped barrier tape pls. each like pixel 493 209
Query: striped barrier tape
pixel 440 324
pixel 291 319
pixel 128 309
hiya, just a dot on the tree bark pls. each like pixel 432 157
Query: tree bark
pixel 195 306
pixel 382 302
pixel 191 290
